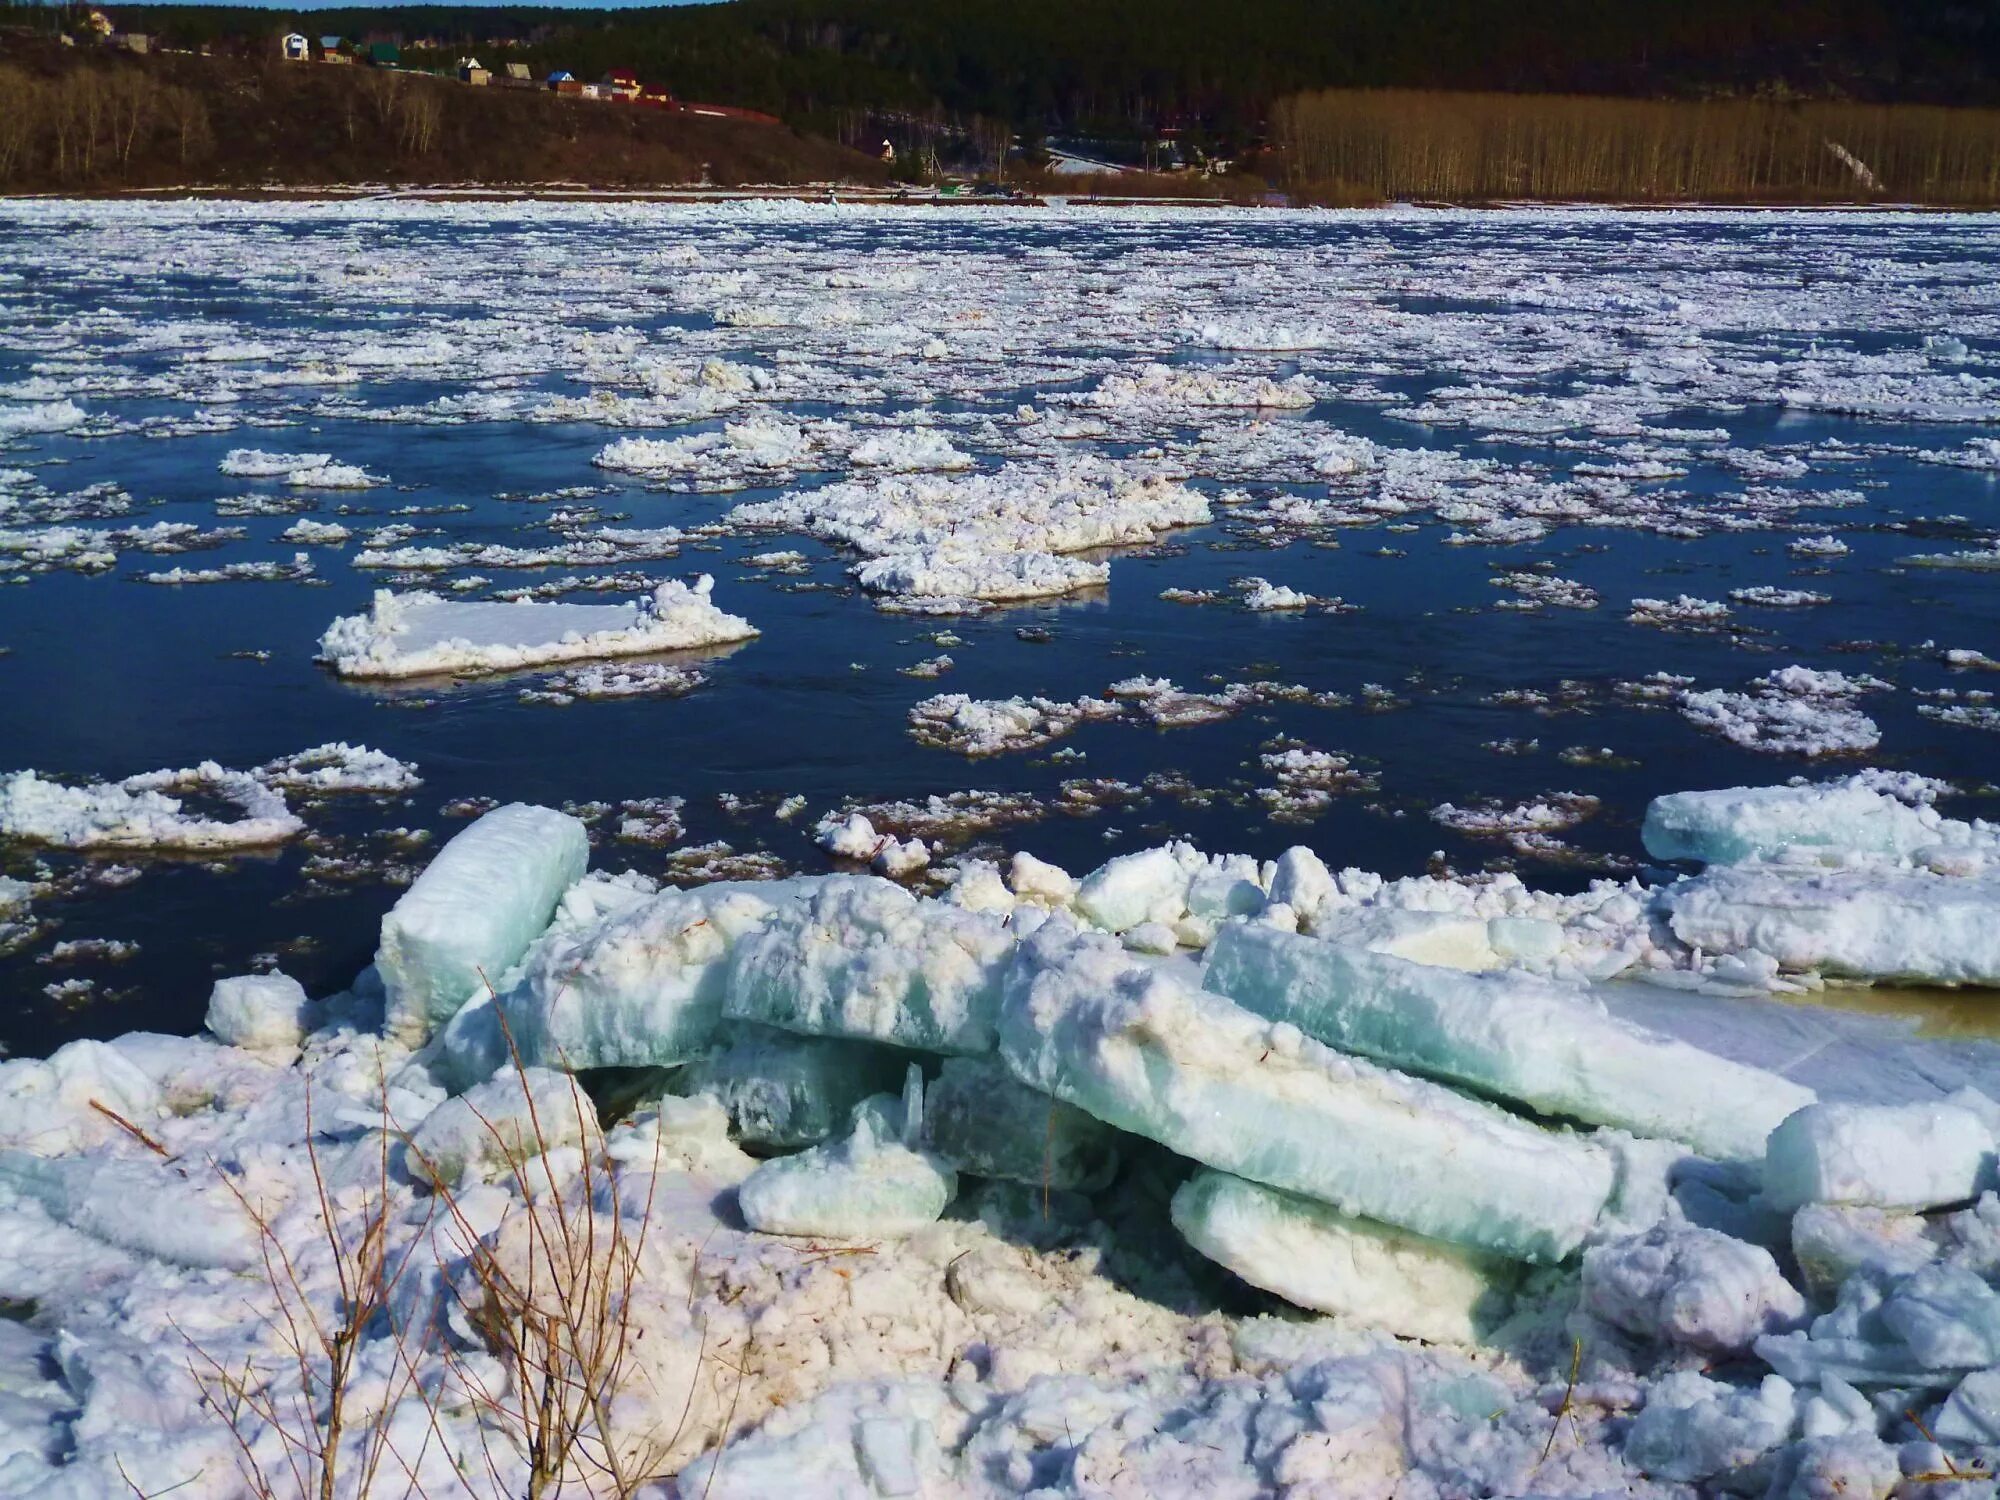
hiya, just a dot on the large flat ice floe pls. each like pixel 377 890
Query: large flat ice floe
pixel 424 634
pixel 985 1193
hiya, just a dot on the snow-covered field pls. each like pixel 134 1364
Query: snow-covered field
pixel 763 1022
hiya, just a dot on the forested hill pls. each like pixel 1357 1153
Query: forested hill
pixel 1121 66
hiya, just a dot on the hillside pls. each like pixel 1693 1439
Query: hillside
pixel 1119 68
pixel 82 119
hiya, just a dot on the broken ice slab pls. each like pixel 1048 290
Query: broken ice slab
pixel 1694 1428
pixel 876 1181
pixel 1926 1330
pixel 423 634
pixel 1142 1048
pixel 1505 1034
pixel 641 984
pixel 1833 1241
pixel 472 913
pixel 1175 886
pixel 1835 819
pixel 783 1090
pixel 861 957
pixel 139 1206
pixel 1972 1412
pixel 258 1011
pixel 1318 1258
pixel 985 1121
pixel 1860 924
pixel 1880 1155
pixel 1690 1287
pixel 494 1130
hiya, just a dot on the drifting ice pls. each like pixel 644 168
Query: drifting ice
pixel 421 634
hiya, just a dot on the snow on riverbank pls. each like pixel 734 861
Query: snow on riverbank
pixel 424 634
pixel 981 1290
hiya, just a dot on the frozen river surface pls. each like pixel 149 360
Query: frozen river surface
pixel 1549 503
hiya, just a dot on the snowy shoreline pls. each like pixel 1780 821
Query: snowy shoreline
pixel 887 1207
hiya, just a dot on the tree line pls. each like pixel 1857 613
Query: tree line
pixel 1128 67
pixel 1366 146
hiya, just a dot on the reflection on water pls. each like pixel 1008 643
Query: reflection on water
pixel 1937 1011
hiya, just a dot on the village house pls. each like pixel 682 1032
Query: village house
pixel 296 47
pixel 384 55
pixel 620 83
pixel 333 49
pixel 519 76
pixel 472 71
pixel 562 81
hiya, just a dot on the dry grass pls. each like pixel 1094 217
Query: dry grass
pixel 1351 145
pixel 547 1295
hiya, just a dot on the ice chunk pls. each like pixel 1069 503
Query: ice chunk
pixel 1971 1413
pixel 1150 886
pixel 1833 1241
pixel 1849 1465
pixel 146 1208
pixel 1925 1330
pixel 784 1090
pixel 1693 1288
pixel 862 957
pixel 421 634
pixel 876 1181
pixel 986 1122
pixel 48 1105
pixel 1175 886
pixel 1301 880
pixel 1865 924
pixel 1445 939
pixel 1038 881
pixel 493 1130
pixel 1743 823
pixel 1316 1257
pixel 1506 1034
pixel 859 1440
pixel 1694 1428
pixel 1882 1155
pixel 1144 1049
pixel 642 986
pixel 258 1010
pixel 474 910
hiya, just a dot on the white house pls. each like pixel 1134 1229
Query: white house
pixel 297 47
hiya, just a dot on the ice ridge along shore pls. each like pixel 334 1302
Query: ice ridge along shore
pixel 1193 1175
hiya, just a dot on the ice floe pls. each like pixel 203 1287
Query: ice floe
pixel 425 634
